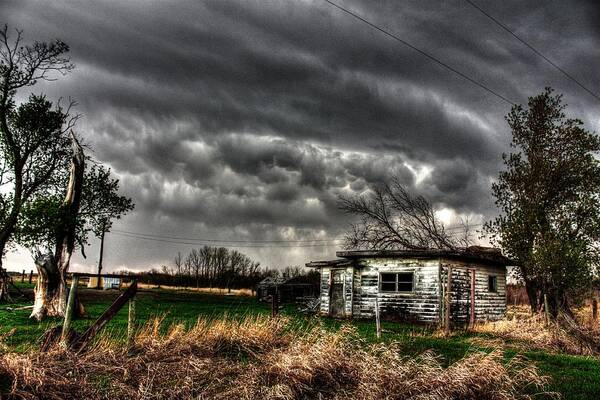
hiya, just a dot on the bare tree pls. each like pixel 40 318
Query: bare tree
pixel 193 263
pixel 393 218
pixel 292 271
pixel 465 237
pixel 178 266
pixel 51 287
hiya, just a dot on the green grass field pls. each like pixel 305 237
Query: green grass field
pixel 575 377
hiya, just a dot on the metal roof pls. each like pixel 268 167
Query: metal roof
pixel 487 255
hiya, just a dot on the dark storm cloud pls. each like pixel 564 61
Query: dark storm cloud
pixel 247 119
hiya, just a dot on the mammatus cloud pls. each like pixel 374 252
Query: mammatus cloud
pixel 245 120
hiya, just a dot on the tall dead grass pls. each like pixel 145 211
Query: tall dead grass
pixel 579 335
pixel 260 358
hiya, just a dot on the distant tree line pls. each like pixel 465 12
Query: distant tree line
pixel 215 267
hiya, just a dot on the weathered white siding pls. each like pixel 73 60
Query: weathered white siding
pixel 426 302
pixel 348 290
pixel 422 304
pixel 325 277
pixel 489 306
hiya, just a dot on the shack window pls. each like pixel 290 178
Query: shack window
pixel 492 283
pixel 397 282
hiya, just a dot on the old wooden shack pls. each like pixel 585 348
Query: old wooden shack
pixel 413 285
pixel 289 290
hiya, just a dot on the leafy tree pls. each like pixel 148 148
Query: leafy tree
pixel 51 285
pixel 57 223
pixel 101 203
pixel 33 140
pixel 549 201
pixel 43 225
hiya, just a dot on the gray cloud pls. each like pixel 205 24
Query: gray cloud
pixel 245 120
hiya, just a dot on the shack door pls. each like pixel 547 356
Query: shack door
pixel 336 300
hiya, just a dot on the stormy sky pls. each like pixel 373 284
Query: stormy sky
pixel 242 121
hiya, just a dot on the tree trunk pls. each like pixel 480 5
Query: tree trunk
pixel 559 303
pixel 51 287
pixel 532 295
pixel 5 234
pixel 4 295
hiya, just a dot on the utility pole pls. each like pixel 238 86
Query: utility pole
pixel 98 285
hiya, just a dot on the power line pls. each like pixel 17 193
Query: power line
pixel 458 227
pixel 265 246
pixel 224 240
pixel 422 52
pixel 256 246
pixel 536 51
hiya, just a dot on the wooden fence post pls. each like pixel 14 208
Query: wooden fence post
pixel 546 310
pixel 472 314
pixel 23 276
pixel 131 321
pixel 30 276
pixel 377 319
pixel 594 309
pixel 448 302
pixel 275 304
pixel 69 311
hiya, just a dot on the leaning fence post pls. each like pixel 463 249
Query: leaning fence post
pixel 30 276
pixel 69 311
pixel 131 321
pixel 23 276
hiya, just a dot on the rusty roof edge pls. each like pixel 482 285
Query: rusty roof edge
pixel 473 254
pixel 328 263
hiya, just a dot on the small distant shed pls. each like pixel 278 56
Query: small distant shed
pixel 289 290
pixel 105 282
pixel 412 285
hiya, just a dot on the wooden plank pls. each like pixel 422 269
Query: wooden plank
pixel 84 340
pixel 448 302
pixel 472 316
pixel 377 319
pixel 88 275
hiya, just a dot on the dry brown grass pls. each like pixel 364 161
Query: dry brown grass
pixel 260 358
pixel 220 291
pixel 580 335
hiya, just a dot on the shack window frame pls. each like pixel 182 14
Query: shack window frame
pixel 493 283
pixel 397 282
